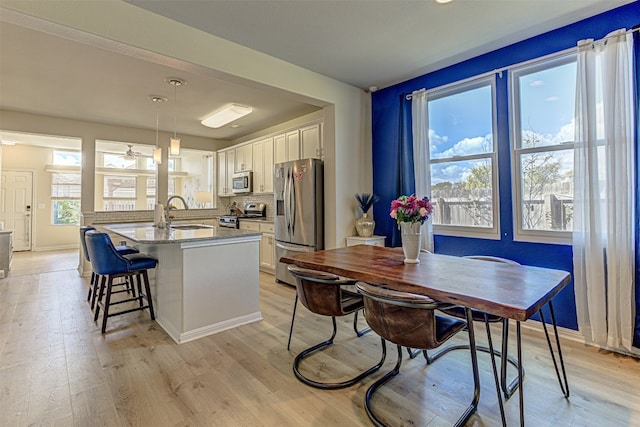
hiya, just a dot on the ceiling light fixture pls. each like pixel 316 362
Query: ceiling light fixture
pixel 227 114
pixel 174 143
pixel 444 1
pixel 157 151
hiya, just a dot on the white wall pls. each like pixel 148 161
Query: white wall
pixel 46 236
pixel 347 144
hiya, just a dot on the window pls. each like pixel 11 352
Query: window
pixel 65 189
pixel 463 160
pixel 151 193
pixel 542 114
pixel 119 193
pixel 190 173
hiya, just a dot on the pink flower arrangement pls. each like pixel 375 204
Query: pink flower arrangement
pixel 411 209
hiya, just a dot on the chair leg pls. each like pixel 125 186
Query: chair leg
pixel 361 332
pixel 413 353
pixel 93 278
pixel 331 386
pixel 137 279
pixel 147 289
pixel 507 389
pixel 293 317
pixel 471 409
pixel 97 296
pixel 107 302
pixel 379 383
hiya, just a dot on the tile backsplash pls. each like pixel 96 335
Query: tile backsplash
pixel 110 217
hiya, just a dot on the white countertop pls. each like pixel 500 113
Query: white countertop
pixel 146 233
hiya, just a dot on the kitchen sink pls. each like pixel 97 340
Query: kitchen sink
pixel 190 226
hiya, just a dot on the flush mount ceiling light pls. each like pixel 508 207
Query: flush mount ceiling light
pixel 157 151
pixel 444 1
pixel 174 143
pixel 227 114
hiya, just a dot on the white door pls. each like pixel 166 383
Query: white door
pixel 16 194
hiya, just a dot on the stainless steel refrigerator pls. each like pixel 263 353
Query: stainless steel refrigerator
pixel 299 210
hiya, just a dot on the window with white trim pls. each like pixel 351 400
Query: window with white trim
pixel 542 116
pixel 66 189
pixel 463 165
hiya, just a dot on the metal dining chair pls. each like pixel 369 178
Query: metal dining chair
pixel 322 293
pixel 409 320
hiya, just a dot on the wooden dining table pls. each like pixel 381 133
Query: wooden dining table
pixel 512 291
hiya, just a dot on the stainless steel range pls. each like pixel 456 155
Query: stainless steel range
pixel 250 210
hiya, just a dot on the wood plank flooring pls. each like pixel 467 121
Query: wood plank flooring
pixel 57 369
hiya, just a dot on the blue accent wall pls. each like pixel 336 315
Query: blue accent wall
pixel 386 121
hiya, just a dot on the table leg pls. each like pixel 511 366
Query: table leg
pixel 564 386
pixel 495 369
pixel 520 388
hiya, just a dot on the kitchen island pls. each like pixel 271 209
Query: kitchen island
pixel 206 280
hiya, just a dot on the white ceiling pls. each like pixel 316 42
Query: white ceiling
pixel 365 43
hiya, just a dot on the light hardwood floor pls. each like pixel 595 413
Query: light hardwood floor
pixel 57 369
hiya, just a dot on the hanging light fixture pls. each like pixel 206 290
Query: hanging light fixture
pixel 157 151
pixel 174 143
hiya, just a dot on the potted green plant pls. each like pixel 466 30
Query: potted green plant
pixel 365 224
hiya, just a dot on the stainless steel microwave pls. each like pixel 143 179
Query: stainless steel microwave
pixel 242 182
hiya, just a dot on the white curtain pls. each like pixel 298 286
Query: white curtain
pixel 421 159
pixel 603 238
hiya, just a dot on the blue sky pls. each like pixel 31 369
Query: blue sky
pixel 461 124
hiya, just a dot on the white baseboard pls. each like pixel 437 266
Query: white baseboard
pixel 181 338
pixel 54 248
pixel 571 335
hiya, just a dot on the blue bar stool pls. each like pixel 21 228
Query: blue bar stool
pixel 93 283
pixel 108 265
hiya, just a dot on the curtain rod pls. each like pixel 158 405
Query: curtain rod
pixel 519 64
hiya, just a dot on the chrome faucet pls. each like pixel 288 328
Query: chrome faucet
pixel 168 219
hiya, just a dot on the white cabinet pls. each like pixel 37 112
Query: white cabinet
pixel 311 142
pixel 293 145
pixel 263 166
pixel 244 158
pixel 267 244
pixel 373 240
pixel 301 143
pixel 226 164
pixel 6 251
pixel 267 248
pixel 286 147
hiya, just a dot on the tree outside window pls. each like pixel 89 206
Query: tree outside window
pixel 543 121
pixel 462 152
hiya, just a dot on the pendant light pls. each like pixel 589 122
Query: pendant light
pixel 174 143
pixel 157 151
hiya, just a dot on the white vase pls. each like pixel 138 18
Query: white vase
pixel 411 233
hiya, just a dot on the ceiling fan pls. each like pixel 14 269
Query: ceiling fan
pixel 130 154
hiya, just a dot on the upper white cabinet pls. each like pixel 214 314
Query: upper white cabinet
pixel 244 158
pixel 311 142
pixel 226 165
pixel 301 143
pixel 263 166
pixel 260 155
